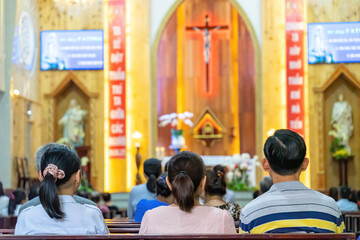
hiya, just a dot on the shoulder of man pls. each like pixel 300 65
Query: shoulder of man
pixel 84 201
pixel 33 202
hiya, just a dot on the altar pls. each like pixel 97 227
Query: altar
pixel 243 161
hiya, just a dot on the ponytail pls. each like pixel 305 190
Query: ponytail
pixel 183 191
pixel 49 197
pixel 151 183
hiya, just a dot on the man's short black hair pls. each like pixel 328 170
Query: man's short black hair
pixel 345 192
pixel 285 151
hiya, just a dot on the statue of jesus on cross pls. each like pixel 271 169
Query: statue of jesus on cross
pixel 205 30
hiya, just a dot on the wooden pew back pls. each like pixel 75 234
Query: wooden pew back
pixel 345 236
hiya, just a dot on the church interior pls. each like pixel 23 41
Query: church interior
pixel 122 81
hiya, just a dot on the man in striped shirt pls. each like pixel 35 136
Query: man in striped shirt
pixel 289 206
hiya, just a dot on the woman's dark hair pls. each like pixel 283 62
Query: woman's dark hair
pixel 334 193
pixel 34 191
pixel 65 159
pixel 106 197
pixel 215 181
pixel 285 151
pixel 1 189
pixel 17 197
pixel 162 188
pixel 152 169
pixel 186 170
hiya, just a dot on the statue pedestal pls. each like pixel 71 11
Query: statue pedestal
pixel 343 176
pixel 84 152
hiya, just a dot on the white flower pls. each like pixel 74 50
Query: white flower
pixel 164 117
pixel 188 114
pixel 188 122
pixel 173 115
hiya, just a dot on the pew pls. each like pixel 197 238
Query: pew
pixel 345 236
pixel 352 221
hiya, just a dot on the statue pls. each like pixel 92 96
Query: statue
pixel 73 121
pixel 341 121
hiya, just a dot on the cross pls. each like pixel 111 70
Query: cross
pixel 207 39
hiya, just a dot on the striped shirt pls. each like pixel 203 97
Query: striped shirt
pixel 290 207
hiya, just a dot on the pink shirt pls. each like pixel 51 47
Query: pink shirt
pixel 201 220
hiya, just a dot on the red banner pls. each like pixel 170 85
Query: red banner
pixel 117 76
pixel 295 25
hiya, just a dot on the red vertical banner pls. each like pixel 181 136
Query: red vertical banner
pixel 117 79
pixel 294 11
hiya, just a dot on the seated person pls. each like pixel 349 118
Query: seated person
pixel 18 198
pixel 4 202
pixel 95 197
pixel 36 201
pixel 152 170
pixel 163 198
pixel 107 202
pixel 58 212
pixel 265 184
pixel 215 189
pixel 289 206
pixel 186 178
pixel 344 204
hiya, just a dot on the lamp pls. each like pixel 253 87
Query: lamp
pixel 137 136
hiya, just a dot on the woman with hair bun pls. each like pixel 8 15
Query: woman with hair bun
pixel 152 170
pixel 58 212
pixel 215 189
pixel 186 178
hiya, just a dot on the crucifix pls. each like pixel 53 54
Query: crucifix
pixel 205 30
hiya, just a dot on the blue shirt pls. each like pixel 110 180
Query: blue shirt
pixel 145 205
pixel 346 205
pixel 136 194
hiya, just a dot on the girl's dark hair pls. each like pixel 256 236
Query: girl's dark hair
pixel 65 159
pixel 17 197
pixel 162 188
pixel 215 181
pixel 1 189
pixel 186 170
pixel 152 169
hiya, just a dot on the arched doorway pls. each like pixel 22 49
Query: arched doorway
pixel 179 75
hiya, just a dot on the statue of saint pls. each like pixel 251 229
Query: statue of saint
pixel 341 121
pixel 73 121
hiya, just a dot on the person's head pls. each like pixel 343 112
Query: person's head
pixel 256 194
pixel 186 178
pixel 215 182
pixel 345 192
pixel 162 189
pixel 39 153
pixel 152 170
pixel 265 184
pixel 18 197
pixel 60 168
pixel 334 193
pixel 34 191
pixel 106 197
pixel 1 189
pixel 83 194
pixel 95 197
pixel 353 197
pixel 285 153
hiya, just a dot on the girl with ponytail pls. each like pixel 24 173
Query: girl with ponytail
pixel 186 178
pixel 215 189
pixel 58 212
pixel 152 170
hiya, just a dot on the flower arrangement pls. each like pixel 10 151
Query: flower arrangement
pixel 177 138
pixel 237 176
pixel 337 148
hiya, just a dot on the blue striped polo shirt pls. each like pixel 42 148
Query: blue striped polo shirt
pixel 290 207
